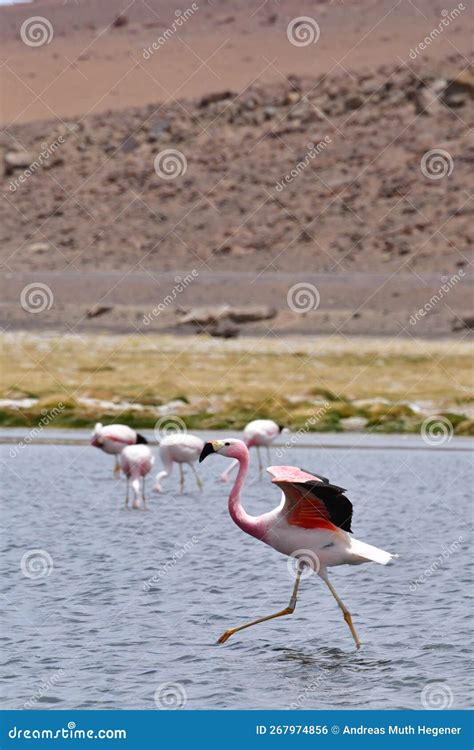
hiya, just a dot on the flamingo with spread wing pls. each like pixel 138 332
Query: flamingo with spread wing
pixel 312 524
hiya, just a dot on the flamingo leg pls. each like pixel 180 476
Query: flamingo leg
pixel 143 493
pixel 269 458
pixel 181 478
pixel 198 478
pixel 126 496
pixel 260 467
pixel 287 611
pixel 117 467
pixel 345 611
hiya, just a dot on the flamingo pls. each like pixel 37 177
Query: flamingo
pixel 136 462
pixel 182 449
pixel 312 523
pixel 260 432
pixel 113 438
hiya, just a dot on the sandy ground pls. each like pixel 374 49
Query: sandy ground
pixel 360 222
pixel 91 66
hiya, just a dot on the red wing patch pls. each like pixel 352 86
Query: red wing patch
pixel 307 511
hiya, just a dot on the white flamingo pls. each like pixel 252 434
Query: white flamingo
pixel 259 433
pixel 136 462
pixel 113 438
pixel 182 449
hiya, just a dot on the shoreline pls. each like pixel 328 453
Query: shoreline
pixel 309 384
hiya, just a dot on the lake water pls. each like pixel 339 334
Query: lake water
pixel 90 634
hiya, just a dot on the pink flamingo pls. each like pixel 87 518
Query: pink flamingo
pixel 136 462
pixel 180 448
pixel 113 438
pixel 260 432
pixel 311 524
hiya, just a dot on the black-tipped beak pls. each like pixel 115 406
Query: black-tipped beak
pixel 281 427
pixel 208 448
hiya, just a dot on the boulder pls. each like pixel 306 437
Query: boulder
pixel 97 310
pixel 17 160
pixel 464 321
pixel 211 316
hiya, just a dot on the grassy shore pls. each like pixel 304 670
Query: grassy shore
pixel 320 384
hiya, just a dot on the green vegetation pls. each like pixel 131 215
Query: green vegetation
pixel 315 384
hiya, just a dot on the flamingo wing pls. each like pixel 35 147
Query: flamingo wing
pixel 310 502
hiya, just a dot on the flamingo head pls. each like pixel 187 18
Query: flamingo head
pixel 96 438
pixel 230 447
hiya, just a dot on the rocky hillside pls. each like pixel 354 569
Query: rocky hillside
pixel 328 174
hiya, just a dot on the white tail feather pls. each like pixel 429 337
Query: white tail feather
pixel 369 552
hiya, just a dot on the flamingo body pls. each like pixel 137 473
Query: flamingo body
pixel 113 438
pixel 182 449
pixel 136 462
pixel 259 433
pixel 312 523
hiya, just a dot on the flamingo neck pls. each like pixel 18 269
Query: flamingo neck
pixel 252 525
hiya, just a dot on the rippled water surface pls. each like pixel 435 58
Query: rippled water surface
pixel 92 635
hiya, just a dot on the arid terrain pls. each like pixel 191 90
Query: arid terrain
pixel 293 164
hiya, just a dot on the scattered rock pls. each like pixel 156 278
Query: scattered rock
pixel 121 20
pixel 17 160
pixel 204 316
pixel 158 129
pixel 353 424
pixel 211 316
pixel 251 314
pixel 466 321
pixel 223 330
pixel 129 144
pixel 97 310
pixel 39 247
pixel 217 96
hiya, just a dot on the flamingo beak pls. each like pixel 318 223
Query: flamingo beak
pixel 213 447
pixel 206 451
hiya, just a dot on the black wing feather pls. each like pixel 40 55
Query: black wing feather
pixel 338 505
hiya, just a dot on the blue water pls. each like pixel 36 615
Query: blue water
pixel 89 634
